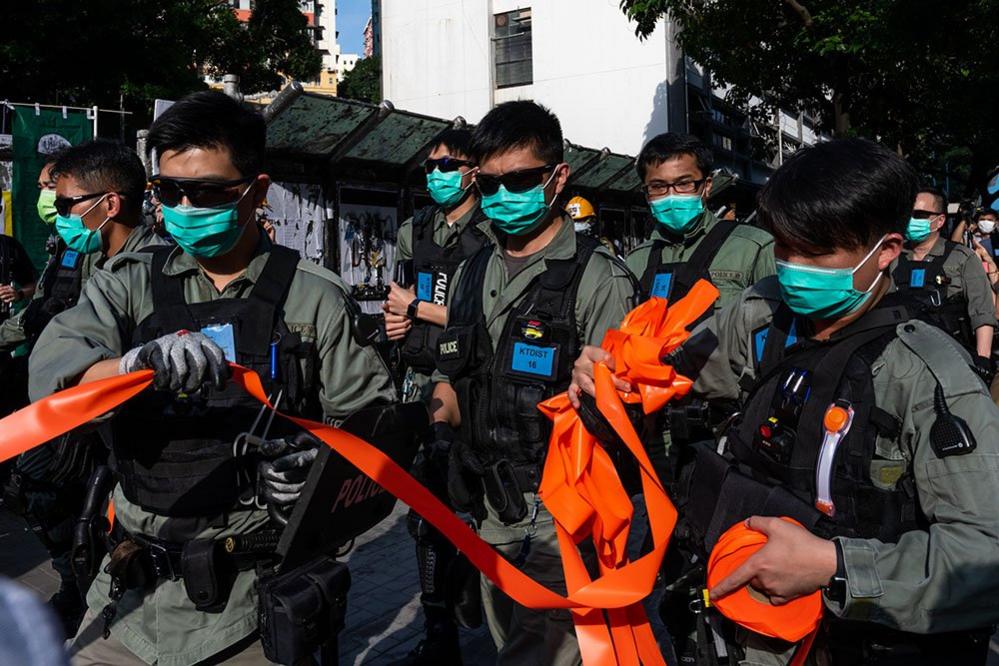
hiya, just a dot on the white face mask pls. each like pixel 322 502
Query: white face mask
pixel 986 226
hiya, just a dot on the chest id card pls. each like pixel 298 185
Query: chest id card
pixel 661 284
pixel 223 336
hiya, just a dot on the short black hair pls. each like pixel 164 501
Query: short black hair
pixel 457 141
pixel 211 119
pixel 845 193
pixel 666 146
pixel 939 198
pixel 520 124
pixel 103 165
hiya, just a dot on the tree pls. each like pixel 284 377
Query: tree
pixel 108 52
pixel 364 82
pixel 917 75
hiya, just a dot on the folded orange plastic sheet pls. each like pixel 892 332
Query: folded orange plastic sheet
pixel 580 486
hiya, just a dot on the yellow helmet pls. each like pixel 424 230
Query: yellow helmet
pixel 579 209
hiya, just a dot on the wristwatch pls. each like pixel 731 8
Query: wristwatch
pixel 411 310
pixel 835 589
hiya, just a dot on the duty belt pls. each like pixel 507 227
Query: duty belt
pixel 505 483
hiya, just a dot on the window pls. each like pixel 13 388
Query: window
pixel 512 51
pixel 723 142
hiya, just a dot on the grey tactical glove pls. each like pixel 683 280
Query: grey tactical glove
pixel 180 361
pixel 283 477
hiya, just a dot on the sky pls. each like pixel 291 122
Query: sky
pixel 351 17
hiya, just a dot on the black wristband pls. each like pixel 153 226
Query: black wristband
pixel 411 310
pixel 835 589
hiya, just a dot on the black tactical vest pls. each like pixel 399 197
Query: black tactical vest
pixel 926 283
pixel 673 280
pixel 62 283
pixel 499 391
pixel 773 445
pixel 174 454
pixel 433 268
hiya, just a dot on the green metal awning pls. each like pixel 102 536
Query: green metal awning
pixel 312 125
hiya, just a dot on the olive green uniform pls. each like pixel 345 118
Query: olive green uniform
pixel 606 293
pixel 417 385
pixel 744 258
pixel 162 626
pixel 943 579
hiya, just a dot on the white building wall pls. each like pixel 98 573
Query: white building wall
pixel 606 86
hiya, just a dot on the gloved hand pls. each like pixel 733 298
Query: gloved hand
pixel 431 464
pixel 464 479
pixel 180 361
pixel 283 478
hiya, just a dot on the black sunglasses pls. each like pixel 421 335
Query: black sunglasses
pixel 925 214
pixel 201 193
pixel 515 181
pixel 445 164
pixel 65 204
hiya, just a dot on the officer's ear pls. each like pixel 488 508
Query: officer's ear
pixel 260 187
pixel 706 192
pixel 114 202
pixel 891 247
pixel 937 223
pixel 561 177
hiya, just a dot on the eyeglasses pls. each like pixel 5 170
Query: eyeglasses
pixel 201 193
pixel 657 189
pixel 445 164
pixel 925 214
pixel 65 204
pixel 515 181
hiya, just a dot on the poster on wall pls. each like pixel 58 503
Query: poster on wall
pixel 298 214
pixel 368 228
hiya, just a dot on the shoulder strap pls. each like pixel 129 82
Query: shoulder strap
pixel 559 284
pixel 777 338
pixel 700 261
pixel 421 220
pixel 941 354
pixel 466 307
pixel 653 263
pixel 167 291
pixel 275 278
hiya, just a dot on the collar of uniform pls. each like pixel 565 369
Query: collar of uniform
pixel 180 262
pixel 562 246
pixel 137 238
pixel 938 247
pixel 459 224
pixel 705 222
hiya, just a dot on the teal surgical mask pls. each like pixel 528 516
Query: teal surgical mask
pixel 75 233
pixel 205 232
pixel 918 230
pixel 677 212
pixel 823 293
pixel 517 213
pixel 445 187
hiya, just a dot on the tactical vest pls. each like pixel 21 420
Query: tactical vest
pixel 174 454
pixel 62 283
pixel 499 391
pixel 433 268
pixel 926 283
pixel 673 280
pixel 772 447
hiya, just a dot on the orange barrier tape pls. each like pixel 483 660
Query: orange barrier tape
pixel 794 621
pixel 580 486
pixel 582 490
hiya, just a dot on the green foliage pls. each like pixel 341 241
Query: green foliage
pixel 921 76
pixel 364 82
pixel 100 51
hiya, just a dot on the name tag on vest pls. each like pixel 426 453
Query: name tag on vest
pixel 70 258
pixel 425 286
pixel 917 278
pixel 223 336
pixel 760 340
pixel 533 360
pixel 661 285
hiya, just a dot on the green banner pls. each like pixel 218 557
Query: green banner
pixel 37 134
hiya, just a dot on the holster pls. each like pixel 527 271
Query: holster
pixel 302 609
pixel 504 487
pixel 90 534
pixel 209 573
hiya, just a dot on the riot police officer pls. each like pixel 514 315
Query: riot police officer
pixel 895 531
pixel 432 244
pixel 519 313
pixel 180 583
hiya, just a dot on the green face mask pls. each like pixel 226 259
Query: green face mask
pixel 677 212
pixel 517 213
pixel 918 230
pixel 205 232
pixel 823 293
pixel 46 206
pixel 445 187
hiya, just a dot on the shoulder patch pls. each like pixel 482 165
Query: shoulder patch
pixel 755 235
pixel 119 261
pixel 313 269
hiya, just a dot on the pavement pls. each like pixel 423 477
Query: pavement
pixel 384 621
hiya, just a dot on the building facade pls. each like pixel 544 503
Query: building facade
pixel 582 59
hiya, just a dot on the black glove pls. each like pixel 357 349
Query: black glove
pixel 464 478
pixel 180 362
pixel 985 368
pixel 431 464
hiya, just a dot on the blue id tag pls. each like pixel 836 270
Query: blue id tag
pixel 424 286
pixel 70 258
pixel 533 360
pixel 917 278
pixel 661 285
pixel 222 335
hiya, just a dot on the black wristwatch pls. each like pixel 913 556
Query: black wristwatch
pixel 411 310
pixel 835 589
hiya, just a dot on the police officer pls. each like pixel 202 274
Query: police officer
pixel 519 313
pixel 225 293
pixel 431 246
pixel 97 207
pixel 866 425
pixel 948 278
pixel 584 220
